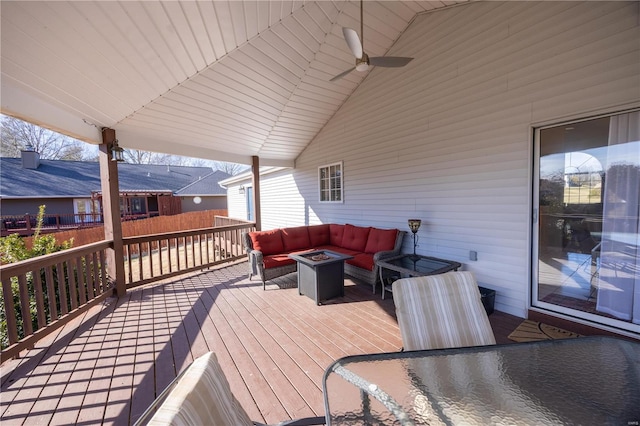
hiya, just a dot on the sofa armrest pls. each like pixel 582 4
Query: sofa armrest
pixel 384 254
pixel 255 257
pixel 397 248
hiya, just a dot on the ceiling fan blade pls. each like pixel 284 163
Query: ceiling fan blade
pixel 342 74
pixel 353 41
pixel 389 61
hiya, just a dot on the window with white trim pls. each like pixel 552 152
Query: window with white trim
pixel 330 183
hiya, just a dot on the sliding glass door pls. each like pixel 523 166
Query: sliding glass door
pixel 587 256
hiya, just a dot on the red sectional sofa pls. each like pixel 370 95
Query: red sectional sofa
pixel 268 251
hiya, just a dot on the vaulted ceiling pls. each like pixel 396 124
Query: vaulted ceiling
pixel 223 80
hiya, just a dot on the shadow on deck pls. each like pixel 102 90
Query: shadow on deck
pixel 274 345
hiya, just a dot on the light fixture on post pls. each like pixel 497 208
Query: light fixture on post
pixel 414 225
pixel 117 153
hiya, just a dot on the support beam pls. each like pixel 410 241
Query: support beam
pixel 255 168
pixel 111 211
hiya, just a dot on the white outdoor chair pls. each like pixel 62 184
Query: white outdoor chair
pixel 441 311
pixel 201 395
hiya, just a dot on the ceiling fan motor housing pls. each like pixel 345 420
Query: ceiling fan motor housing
pixel 362 64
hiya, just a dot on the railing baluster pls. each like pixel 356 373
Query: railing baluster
pixel 12 326
pixel 91 291
pixel 160 261
pixel 40 310
pixel 73 290
pixel 25 309
pixel 81 280
pixel 51 293
pixel 62 289
pixel 150 257
pixel 186 252
pixel 140 275
pixel 103 271
pixel 193 250
pixel 97 278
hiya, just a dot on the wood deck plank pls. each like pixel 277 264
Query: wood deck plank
pixel 201 301
pixel 273 345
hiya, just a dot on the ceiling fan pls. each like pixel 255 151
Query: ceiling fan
pixel 363 61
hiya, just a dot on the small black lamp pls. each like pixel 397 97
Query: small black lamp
pixel 414 225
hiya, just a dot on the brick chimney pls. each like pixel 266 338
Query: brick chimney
pixel 30 158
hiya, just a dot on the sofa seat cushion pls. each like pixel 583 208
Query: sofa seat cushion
pixel 335 234
pixel 277 260
pixel 295 238
pixel 319 235
pixel 268 242
pixel 362 260
pixel 381 240
pixel 355 237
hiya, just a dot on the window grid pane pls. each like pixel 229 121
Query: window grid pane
pixel 330 183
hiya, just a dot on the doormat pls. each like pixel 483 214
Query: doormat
pixel 532 331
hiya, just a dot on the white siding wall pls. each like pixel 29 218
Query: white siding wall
pixel 236 202
pixel 448 138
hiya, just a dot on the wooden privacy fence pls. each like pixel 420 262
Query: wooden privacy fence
pixel 146 226
pixel 40 295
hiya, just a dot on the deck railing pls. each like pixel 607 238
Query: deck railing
pixel 42 294
pixel 152 257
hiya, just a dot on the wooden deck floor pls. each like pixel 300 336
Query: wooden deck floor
pixel 274 346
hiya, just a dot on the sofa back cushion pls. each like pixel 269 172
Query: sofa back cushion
pixel 319 235
pixel 268 242
pixel 355 237
pixel 295 238
pixel 381 240
pixel 335 234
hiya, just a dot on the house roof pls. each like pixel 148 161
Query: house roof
pixel 225 80
pixel 205 185
pixel 57 178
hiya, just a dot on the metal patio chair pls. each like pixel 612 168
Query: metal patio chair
pixel 201 395
pixel 441 311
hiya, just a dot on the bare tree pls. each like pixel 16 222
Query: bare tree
pixel 16 135
pixel 136 156
pixel 230 168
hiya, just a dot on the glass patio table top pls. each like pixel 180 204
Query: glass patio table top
pixel 590 380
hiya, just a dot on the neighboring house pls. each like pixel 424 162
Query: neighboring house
pixel 71 189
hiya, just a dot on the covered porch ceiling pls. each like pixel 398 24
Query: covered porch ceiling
pixel 223 80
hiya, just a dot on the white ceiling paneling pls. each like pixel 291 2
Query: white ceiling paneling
pixel 217 79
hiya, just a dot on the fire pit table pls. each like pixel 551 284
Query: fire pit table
pixel 320 274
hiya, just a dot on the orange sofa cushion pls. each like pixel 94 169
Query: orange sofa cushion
pixel 319 235
pixel 381 240
pixel 335 234
pixel 295 238
pixel 362 260
pixel 276 260
pixel 268 242
pixel 355 237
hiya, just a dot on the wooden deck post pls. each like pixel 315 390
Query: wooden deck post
pixel 255 168
pixel 111 211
